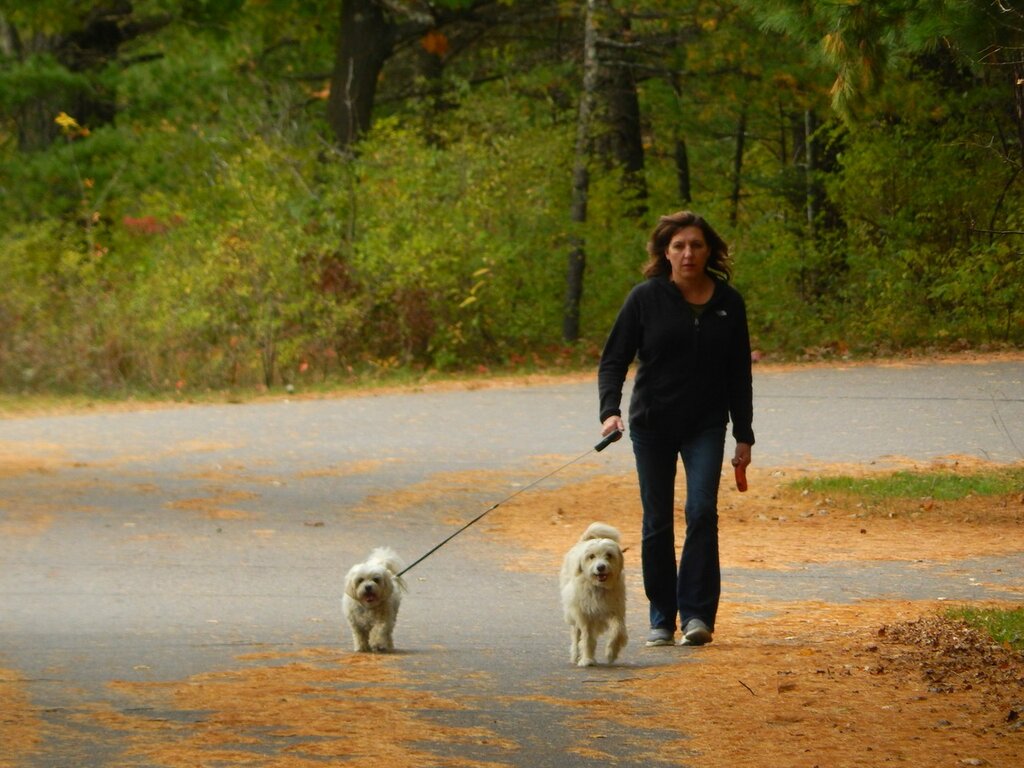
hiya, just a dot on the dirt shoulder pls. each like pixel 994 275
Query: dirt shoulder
pixel 27 405
pixel 810 683
pixel 801 683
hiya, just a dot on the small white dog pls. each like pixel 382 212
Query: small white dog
pixel 594 593
pixel 373 592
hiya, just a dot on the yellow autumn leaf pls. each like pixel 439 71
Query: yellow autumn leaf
pixel 66 121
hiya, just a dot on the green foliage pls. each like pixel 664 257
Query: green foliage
pixel 212 236
pixel 229 292
pixel 21 82
pixel 942 485
pixel 859 39
pixel 1004 625
pixel 458 238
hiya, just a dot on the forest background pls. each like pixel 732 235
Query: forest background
pixel 212 194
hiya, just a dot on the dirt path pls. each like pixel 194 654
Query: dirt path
pixel 169 586
pixel 795 682
pixel 811 683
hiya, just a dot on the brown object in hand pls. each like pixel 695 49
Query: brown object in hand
pixel 741 478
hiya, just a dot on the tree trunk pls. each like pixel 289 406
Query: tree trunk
pixel 682 153
pixel 809 170
pixel 1018 97
pixel 737 167
pixel 366 40
pixel 682 157
pixel 10 45
pixel 625 137
pixel 783 144
pixel 581 179
pixel 430 69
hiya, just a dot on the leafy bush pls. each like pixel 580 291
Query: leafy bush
pixel 212 236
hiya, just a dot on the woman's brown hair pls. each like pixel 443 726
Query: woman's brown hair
pixel 719 264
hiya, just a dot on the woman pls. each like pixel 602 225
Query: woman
pixel 688 328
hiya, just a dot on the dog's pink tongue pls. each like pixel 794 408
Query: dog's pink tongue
pixel 602 577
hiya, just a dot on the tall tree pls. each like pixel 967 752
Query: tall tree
pixel 621 140
pixel 581 176
pixel 370 34
pixel 366 40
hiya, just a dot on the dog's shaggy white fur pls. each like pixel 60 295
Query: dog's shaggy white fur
pixel 594 594
pixel 373 592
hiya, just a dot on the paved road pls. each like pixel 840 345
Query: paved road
pixel 156 545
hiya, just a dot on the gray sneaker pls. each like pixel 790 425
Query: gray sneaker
pixel 695 632
pixel 659 636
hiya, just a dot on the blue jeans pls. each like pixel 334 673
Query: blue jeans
pixel 693 591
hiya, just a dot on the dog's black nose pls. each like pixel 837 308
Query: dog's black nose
pixel 602 567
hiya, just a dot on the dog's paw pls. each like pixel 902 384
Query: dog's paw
pixel 585 662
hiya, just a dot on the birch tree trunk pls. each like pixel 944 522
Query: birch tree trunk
pixel 581 178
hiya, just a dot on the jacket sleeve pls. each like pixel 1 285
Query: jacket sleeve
pixel 619 351
pixel 741 387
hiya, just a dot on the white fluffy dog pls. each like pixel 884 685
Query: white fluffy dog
pixel 594 593
pixel 373 592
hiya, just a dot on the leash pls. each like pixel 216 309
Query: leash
pixel 608 440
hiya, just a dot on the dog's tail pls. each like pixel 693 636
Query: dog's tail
pixel 391 561
pixel 600 531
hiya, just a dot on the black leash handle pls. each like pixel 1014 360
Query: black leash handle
pixel 608 440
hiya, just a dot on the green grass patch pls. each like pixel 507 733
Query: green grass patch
pixel 941 486
pixel 1004 625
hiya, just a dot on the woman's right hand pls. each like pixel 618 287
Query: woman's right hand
pixel 611 424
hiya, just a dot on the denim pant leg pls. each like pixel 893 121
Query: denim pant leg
pixel 656 459
pixel 700 575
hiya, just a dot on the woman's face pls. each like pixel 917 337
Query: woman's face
pixel 688 253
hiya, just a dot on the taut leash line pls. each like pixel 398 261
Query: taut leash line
pixel 597 448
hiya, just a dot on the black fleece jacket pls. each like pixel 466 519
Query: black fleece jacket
pixel 693 372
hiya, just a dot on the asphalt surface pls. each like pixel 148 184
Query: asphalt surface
pixel 108 572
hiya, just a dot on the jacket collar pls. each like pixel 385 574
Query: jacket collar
pixel 717 296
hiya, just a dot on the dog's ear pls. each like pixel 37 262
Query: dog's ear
pixel 352 582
